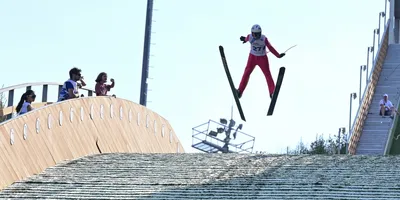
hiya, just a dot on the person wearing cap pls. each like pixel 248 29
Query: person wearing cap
pixel 386 107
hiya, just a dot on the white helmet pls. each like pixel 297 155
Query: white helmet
pixel 256 31
pixel 256 28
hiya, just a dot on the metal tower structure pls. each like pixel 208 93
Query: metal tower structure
pixel 146 53
pixel 205 137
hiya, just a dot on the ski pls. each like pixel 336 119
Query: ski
pixel 228 74
pixel 276 92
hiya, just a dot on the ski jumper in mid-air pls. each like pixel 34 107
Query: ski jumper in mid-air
pixel 258 56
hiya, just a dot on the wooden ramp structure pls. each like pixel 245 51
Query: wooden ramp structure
pixel 67 130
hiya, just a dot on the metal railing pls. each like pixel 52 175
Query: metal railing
pixel 362 111
pixel 45 87
pixel 204 140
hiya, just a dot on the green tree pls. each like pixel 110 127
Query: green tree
pixel 330 146
pixel 301 148
pixel 337 144
pixel 319 146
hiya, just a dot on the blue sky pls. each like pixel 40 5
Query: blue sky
pixel 41 40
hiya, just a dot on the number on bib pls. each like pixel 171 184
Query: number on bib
pixel 258 48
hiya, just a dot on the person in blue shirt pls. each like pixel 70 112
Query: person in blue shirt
pixel 70 87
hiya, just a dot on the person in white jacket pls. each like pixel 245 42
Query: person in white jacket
pixel 386 107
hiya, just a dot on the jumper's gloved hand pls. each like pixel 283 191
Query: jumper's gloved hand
pixel 281 55
pixel 243 39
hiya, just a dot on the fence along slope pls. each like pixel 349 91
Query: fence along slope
pixel 369 92
pixel 71 129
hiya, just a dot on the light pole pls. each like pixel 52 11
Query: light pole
pixel 385 12
pixel 367 76
pixel 362 68
pixel 352 96
pixel 146 54
pixel 381 14
pixel 373 47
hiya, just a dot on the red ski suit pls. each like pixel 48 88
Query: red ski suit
pixel 258 56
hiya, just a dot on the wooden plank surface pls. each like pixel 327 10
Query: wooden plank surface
pixel 77 138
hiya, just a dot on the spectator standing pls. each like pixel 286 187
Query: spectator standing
pixel 24 105
pixel 70 87
pixel 101 87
